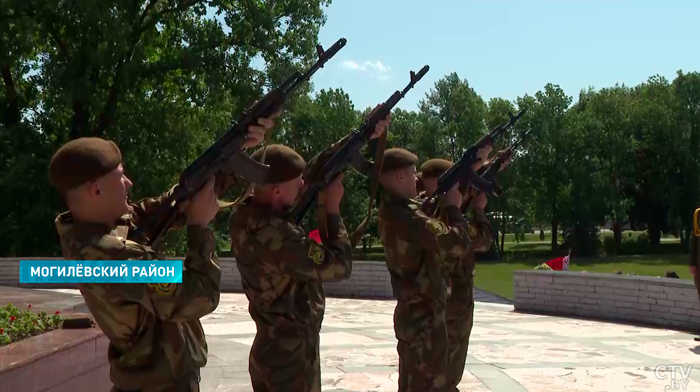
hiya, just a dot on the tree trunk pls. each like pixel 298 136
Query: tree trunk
pixel 12 115
pixel 555 227
pixel 496 240
pixel 654 235
pixel 503 231
pixel 617 234
pixel 684 233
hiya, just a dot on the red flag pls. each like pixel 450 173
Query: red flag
pixel 559 263
pixel 314 235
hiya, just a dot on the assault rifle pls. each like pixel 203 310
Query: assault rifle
pixel 489 171
pixel 348 152
pixel 226 154
pixel 462 172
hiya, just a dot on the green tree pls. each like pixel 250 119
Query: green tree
pixel 545 157
pixel 686 140
pixel 453 118
pixel 159 77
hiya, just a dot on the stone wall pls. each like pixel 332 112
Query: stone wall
pixel 661 302
pixel 369 279
pixel 57 361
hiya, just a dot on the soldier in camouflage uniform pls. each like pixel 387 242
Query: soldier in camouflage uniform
pixel 420 254
pixel 157 343
pixel 695 254
pixel 460 304
pixel 283 271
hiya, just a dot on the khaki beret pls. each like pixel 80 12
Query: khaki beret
pixel 435 167
pixel 398 158
pixel 82 160
pixel 285 163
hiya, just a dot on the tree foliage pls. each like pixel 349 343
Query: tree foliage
pixel 165 78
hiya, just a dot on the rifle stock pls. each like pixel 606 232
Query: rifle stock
pixel 348 151
pixel 462 171
pixel 226 153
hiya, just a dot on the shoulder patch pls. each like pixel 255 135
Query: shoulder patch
pixel 164 288
pixel 471 230
pixel 436 227
pixel 316 253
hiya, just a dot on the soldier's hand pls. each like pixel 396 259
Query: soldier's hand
pixel 506 162
pixel 483 153
pixel 256 133
pixel 334 192
pixel 480 201
pixel 453 197
pixel 381 125
pixel 203 206
pixel 694 270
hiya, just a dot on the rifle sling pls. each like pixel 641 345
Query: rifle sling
pixel 361 165
pixel 378 162
pixel 321 216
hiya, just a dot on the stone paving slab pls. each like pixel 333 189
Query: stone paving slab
pixel 508 352
pixel 65 301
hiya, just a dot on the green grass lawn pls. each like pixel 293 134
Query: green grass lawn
pixel 497 277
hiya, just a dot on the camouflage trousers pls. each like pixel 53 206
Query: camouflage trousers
pixel 460 320
pixel 697 285
pixel 422 349
pixel 285 362
pixel 187 383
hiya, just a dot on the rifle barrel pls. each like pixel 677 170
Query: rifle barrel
pixel 323 57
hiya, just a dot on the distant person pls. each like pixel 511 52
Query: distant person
pixel 695 255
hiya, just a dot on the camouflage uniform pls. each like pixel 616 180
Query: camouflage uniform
pixel 157 343
pixel 282 274
pixel 695 253
pixel 420 253
pixel 460 305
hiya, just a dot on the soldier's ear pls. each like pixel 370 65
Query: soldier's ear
pixel 93 189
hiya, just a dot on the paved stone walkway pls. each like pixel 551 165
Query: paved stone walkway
pixel 509 351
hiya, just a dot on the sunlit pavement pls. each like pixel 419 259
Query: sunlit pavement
pixel 508 351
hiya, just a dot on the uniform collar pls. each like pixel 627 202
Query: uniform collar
pixel 79 229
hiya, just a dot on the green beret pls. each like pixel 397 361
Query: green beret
pixel 435 167
pixel 398 158
pixel 285 163
pixel 82 160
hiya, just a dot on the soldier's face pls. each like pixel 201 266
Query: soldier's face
pixel 408 180
pixel 430 185
pixel 112 190
pixel 288 191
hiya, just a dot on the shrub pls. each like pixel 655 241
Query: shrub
pixel 18 324
pixel 630 245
